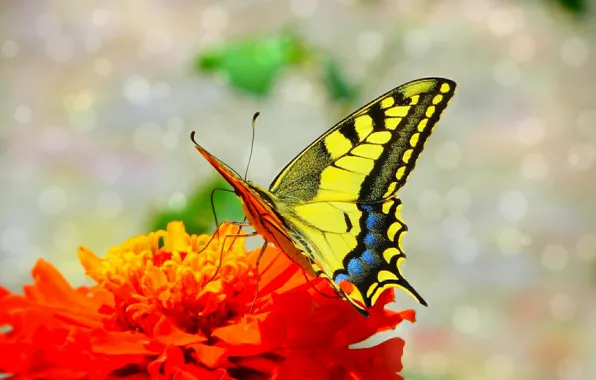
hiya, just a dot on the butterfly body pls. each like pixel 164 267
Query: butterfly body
pixel 260 209
pixel 334 208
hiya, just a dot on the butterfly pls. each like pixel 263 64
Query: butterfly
pixel 334 208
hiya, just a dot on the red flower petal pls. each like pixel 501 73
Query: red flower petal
pixel 253 335
pixel 166 332
pixel 302 365
pixel 277 272
pixel 211 356
pixel 119 343
pixel 259 364
pixel 386 355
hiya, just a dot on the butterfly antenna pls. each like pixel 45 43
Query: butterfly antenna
pixel 192 138
pixel 252 143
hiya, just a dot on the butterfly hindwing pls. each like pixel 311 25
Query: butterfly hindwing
pixel 368 156
pixel 374 264
pixel 370 238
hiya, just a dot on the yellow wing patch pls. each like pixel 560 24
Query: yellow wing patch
pixel 356 164
pixel 371 151
pixel 364 126
pixel 339 145
pixel 398 111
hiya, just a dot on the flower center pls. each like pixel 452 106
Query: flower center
pixel 194 281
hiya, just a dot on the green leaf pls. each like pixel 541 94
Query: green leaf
pixel 197 215
pixel 335 82
pixel 576 7
pixel 252 65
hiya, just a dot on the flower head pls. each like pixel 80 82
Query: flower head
pixel 175 306
pixel 182 280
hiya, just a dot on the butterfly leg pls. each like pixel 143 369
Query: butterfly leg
pixel 223 244
pixel 213 203
pixel 216 233
pixel 244 223
pixel 261 252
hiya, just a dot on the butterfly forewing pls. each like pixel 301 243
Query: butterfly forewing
pixel 368 156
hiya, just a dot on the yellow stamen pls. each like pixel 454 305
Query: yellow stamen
pixel 181 279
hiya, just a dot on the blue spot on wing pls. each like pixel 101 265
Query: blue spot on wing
pixel 368 208
pixel 368 257
pixel 373 220
pixel 371 240
pixel 341 277
pixel 355 267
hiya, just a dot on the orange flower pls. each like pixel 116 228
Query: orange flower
pixel 165 307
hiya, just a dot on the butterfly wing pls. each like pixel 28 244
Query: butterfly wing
pixel 359 243
pixel 367 156
pixel 339 193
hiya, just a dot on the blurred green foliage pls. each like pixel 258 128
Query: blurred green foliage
pixel 253 64
pixel 197 214
pixel 335 82
pixel 577 7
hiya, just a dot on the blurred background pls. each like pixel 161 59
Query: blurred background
pixel 98 101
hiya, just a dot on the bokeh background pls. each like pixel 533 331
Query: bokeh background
pixel 98 100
